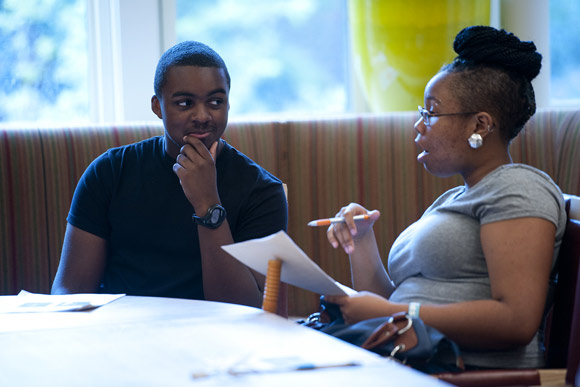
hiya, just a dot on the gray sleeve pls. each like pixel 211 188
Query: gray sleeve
pixel 518 193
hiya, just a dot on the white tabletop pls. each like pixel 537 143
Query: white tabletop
pixel 148 341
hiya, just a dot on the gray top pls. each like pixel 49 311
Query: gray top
pixel 439 258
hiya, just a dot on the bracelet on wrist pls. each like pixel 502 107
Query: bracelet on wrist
pixel 414 309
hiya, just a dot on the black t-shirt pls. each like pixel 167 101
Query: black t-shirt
pixel 131 197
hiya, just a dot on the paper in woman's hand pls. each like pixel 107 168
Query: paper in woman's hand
pixel 297 268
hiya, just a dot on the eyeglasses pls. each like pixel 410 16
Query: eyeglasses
pixel 426 116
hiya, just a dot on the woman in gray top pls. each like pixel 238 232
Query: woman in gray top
pixel 477 264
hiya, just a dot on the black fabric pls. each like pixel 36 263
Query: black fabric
pixel 434 352
pixel 131 197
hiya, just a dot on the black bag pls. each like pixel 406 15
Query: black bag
pixel 399 336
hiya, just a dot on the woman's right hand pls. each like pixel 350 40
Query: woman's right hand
pixel 348 233
pixel 363 306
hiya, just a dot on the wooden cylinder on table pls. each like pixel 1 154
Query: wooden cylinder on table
pixel 272 285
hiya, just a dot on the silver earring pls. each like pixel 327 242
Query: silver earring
pixel 475 141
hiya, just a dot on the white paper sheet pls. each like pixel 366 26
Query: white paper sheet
pixel 26 302
pixel 297 268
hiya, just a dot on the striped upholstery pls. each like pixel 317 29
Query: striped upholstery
pixel 550 142
pixel 326 163
pixel 263 142
pixel 23 216
pixel 39 172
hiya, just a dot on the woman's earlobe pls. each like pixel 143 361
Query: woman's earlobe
pixel 484 127
pixel 475 141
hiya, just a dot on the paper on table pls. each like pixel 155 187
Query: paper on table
pixel 26 302
pixel 297 268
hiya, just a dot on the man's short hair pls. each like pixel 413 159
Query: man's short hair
pixel 188 53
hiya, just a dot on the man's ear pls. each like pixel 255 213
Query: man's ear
pixel 483 124
pixel 156 106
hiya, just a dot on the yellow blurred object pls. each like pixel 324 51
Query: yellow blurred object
pixel 398 45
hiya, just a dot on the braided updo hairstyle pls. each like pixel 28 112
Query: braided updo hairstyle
pixel 495 71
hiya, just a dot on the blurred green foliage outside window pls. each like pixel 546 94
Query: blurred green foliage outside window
pixel 283 56
pixel 565 52
pixel 43 66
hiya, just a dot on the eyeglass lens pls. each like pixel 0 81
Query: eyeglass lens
pixel 424 115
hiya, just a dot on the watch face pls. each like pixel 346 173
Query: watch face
pixel 213 219
pixel 215 216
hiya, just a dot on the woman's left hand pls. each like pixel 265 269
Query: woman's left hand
pixel 362 306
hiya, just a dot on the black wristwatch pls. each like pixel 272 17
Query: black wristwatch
pixel 215 216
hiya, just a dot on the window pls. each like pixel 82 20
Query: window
pixel 564 52
pixel 43 66
pixel 93 60
pixel 283 56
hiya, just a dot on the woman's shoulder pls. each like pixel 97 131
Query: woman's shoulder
pixel 517 169
pixel 517 190
pixel 520 177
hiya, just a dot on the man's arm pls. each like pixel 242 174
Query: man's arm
pixel 224 278
pixel 82 263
